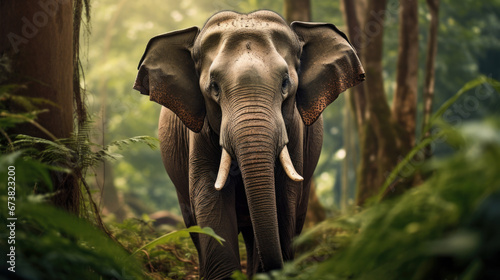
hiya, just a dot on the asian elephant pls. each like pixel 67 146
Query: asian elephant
pixel 241 130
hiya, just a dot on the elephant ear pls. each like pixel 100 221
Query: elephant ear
pixel 167 74
pixel 329 65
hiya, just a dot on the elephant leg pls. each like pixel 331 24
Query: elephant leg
pixel 289 192
pixel 313 141
pixel 174 146
pixel 214 209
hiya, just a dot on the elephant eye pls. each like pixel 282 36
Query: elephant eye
pixel 215 87
pixel 284 84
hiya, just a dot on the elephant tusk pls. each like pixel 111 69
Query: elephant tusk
pixel 288 166
pixel 225 165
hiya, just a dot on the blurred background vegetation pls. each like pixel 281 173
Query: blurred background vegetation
pixel 446 228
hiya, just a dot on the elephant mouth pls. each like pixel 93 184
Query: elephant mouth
pixel 225 166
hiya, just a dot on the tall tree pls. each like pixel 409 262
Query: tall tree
pixel 297 10
pixel 38 37
pixel 356 97
pixel 385 135
pixel 404 106
pixel 430 70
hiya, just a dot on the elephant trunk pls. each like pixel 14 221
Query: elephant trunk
pixel 255 135
pixel 256 156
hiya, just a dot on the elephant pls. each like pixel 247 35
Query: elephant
pixel 241 129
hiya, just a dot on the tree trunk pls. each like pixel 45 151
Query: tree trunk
pixel 385 135
pixel 357 98
pixel 297 10
pixel 378 135
pixel 315 211
pixel 79 94
pixel 111 200
pixel 404 106
pixel 430 68
pixel 38 37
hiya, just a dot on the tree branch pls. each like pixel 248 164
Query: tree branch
pixel 430 68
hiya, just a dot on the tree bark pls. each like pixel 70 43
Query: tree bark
pixel 430 68
pixel 404 106
pixel 79 94
pixel 297 10
pixel 357 98
pixel 315 212
pixel 111 200
pixel 354 16
pixel 378 137
pixel 40 43
pixel 38 37
pixel 385 135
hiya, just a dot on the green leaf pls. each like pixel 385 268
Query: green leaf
pixel 148 140
pixel 169 237
pixel 28 171
pixel 394 173
pixel 468 86
pixel 67 243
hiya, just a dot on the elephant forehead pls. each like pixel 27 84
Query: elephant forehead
pixel 257 19
pixel 264 27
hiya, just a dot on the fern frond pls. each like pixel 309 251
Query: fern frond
pixel 148 140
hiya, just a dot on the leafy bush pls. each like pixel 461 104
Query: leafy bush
pixel 445 228
pixel 51 243
pixel 169 256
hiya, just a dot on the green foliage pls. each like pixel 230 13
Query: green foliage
pixel 49 242
pixel 169 237
pixel 25 110
pixel 467 87
pixel 445 228
pixel 77 150
pixel 28 171
pixel 435 120
pixel 176 258
pixel 468 45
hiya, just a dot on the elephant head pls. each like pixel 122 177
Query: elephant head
pixel 249 76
